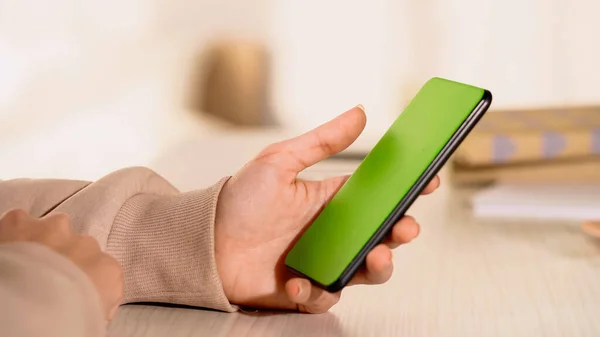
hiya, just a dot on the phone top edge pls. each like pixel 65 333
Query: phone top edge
pixel 443 79
pixel 487 95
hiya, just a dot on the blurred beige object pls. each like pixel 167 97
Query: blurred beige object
pixel 234 86
pixel 592 228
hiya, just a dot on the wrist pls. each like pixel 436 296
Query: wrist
pixel 226 273
pixel 223 249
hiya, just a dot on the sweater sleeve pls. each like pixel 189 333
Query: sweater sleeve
pixel 163 238
pixel 166 246
pixel 43 293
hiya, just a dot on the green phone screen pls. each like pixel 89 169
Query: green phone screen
pixel 382 180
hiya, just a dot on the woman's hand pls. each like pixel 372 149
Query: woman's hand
pixel 263 208
pixel 54 232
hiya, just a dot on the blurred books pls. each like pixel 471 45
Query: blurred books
pixel 543 145
pixel 543 163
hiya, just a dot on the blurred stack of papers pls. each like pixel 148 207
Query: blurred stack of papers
pixel 539 201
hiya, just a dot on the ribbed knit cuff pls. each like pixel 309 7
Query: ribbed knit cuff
pixel 165 245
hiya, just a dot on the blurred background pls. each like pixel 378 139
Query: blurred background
pixel 196 87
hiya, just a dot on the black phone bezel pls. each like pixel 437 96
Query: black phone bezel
pixel 432 170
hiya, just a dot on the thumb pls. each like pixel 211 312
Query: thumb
pixel 322 142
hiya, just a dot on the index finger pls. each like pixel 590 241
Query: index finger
pixel 301 152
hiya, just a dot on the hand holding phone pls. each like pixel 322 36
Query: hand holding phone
pixel 387 182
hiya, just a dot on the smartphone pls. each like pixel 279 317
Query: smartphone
pixel 387 182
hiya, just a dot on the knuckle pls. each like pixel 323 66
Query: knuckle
pixel 61 218
pixel 56 229
pixel 60 222
pixel 15 225
pixel 271 149
pixel 274 147
pixel 15 216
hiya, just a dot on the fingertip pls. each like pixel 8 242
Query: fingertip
pixel 298 290
pixel 358 117
pixel 379 258
pixel 332 137
pixel 432 186
pixel 416 230
pixel 388 256
pixel 292 289
pixel 379 265
pixel 405 230
pixel 436 182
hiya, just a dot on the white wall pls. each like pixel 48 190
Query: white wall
pixel 67 46
pixel 332 55
pixel 94 85
pixel 534 52
pixel 83 75
pixel 337 53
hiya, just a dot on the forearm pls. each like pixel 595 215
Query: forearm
pixel 37 196
pixel 44 294
pixel 163 239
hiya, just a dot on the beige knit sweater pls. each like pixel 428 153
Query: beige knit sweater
pixel 162 238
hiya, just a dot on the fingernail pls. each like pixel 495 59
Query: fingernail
pixel 360 106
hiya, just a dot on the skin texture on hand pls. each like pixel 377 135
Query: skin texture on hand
pixel 54 232
pixel 264 207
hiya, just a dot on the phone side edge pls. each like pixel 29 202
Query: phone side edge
pixel 399 211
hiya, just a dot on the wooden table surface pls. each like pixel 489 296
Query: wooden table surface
pixel 461 277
